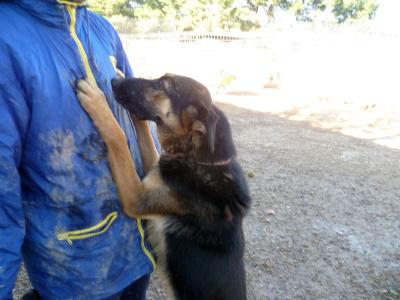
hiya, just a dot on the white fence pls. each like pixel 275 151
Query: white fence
pixel 343 62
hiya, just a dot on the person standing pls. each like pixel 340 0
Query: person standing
pixel 59 208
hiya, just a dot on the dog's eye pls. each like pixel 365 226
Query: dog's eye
pixel 168 114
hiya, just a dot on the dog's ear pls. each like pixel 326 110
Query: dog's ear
pixel 167 82
pixel 203 123
pixel 211 126
pixel 179 88
pixel 188 116
pixel 207 114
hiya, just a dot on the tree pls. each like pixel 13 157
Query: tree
pixel 230 14
pixel 343 10
pixel 351 10
pixel 110 8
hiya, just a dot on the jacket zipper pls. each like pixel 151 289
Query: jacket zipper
pixel 72 235
pixel 97 229
pixel 72 14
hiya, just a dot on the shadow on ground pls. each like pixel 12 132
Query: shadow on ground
pixel 377 121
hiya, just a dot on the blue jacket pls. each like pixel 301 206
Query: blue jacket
pixel 58 204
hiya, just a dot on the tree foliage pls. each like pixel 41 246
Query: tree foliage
pixel 229 14
pixel 345 10
pixel 110 8
pixel 342 10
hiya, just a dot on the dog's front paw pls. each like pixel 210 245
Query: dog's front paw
pixel 92 99
pixel 95 104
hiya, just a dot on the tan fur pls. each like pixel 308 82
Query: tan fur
pixel 156 238
pixel 160 100
pixel 155 199
pixel 188 116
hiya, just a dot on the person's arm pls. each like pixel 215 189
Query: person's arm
pixel 14 119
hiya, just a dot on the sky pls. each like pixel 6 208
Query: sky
pixel 387 17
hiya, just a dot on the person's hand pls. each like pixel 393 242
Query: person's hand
pixel 95 104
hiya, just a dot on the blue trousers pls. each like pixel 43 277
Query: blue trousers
pixel 135 291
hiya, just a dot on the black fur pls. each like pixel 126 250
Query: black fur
pixel 204 247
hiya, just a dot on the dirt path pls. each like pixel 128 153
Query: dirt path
pixel 336 229
pixel 325 222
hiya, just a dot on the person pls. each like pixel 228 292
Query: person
pixel 59 209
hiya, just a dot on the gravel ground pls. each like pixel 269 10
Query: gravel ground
pixel 325 222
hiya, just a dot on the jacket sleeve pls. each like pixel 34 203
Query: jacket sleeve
pixel 123 65
pixel 14 118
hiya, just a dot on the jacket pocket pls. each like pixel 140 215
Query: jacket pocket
pixel 97 229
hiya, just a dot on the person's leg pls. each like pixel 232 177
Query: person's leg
pixel 137 290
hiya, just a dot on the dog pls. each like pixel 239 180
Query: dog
pixel 194 195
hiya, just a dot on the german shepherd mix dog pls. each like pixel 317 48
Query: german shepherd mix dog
pixel 195 194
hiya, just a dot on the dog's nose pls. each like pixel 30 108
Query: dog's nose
pixel 114 83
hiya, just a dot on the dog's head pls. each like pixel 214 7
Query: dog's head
pixel 181 107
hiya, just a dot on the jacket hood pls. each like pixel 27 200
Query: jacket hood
pixel 51 12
